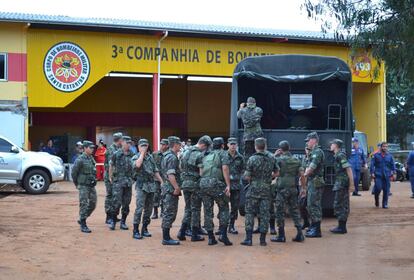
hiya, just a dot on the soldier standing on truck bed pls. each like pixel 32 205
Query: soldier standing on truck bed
pixel 84 177
pixel 315 184
pixel 250 115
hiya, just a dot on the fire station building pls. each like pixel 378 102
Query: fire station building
pixel 84 78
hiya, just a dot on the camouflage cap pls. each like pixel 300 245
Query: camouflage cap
pixel 338 142
pixel 127 139
pixel 251 100
pixel 312 135
pixel 117 136
pixel 260 141
pixel 232 140
pixel 174 139
pixel 143 142
pixel 218 141
pixel 284 145
pixel 206 140
pixel 164 141
pixel 88 144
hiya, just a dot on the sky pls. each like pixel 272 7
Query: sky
pixel 276 14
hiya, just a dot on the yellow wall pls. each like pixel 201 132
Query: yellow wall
pixel 99 47
pixel 13 39
pixel 369 111
pixel 208 108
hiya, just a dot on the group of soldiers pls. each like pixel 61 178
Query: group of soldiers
pixel 207 173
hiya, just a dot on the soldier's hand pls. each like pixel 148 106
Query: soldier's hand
pixel 177 192
pixel 373 176
pixel 302 193
pixel 278 152
pixel 227 191
pixel 242 105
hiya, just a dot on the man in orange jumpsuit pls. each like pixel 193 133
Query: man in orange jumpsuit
pixel 100 159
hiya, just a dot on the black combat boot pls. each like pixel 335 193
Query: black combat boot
pixel 188 232
pixel 108 219
pixel 223 236
pixel 257 230
pixel 83 227
pixel 340 229
pixel 155 213
pixel 113 223
pixel 232 229
pixel 272 226
pixel 305 223
pixel 123 225
pixel 315 231
pixel 135 233
pixel 281 237
pixel 211 238
pixel 195 236
pixel 144 231
pixel 263 239
pixel 166 238
pixel 377 200
pixel 181 232
pixel 248 240
pixel 299 235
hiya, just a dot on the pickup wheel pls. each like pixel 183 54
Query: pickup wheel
pixel 36 181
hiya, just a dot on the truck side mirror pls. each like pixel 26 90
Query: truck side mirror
pixel 14 149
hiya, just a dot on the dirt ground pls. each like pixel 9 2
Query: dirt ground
pixel 40 239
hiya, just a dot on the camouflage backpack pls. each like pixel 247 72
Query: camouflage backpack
pixel 212 166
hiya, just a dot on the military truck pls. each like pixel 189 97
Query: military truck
pixel 298 94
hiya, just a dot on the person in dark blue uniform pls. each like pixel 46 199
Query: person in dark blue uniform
pixel 382 169
pixel 410 170
pixel 358 161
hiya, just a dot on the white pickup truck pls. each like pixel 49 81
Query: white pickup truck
pixel 34 171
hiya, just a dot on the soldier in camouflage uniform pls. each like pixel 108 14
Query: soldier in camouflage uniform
pixel 171 189
pixel 314 175
pixel 236 171
pixel 215 187
pixel 190 163
pixel 157 194
pixel 120 174
pixel 116 145
pixel 250 115
pixel 343 181
pixel 84 177
pixel 145 174
pixel 290 169
pixel 303 195
pixel 260 169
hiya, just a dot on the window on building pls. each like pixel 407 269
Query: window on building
pixel 3 67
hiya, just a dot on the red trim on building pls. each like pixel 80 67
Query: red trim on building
pixel 17 67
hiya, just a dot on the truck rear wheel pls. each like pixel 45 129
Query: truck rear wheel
pixel 36 181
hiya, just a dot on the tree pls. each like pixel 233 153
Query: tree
pixel 400 108
pixel 386 27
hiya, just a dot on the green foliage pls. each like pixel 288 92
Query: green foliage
pixel 386 27
pixel 400 108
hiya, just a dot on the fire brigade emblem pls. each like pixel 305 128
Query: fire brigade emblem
pixel 66 67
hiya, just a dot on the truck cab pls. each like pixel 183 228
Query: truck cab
pixel 298 94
